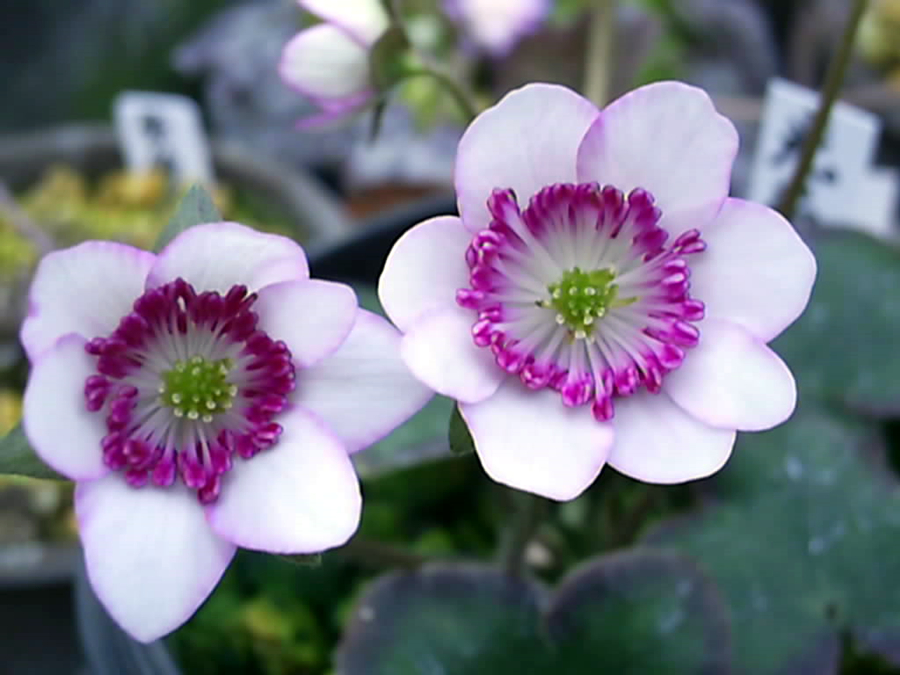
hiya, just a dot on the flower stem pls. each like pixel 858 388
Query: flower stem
pixel 837 69
pixel 530 512
pixel 466 106
pixel 378 554
pixel 599 59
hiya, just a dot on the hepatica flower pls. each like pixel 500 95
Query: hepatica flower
pixel 495 26
pixel 329 62
pixel 203 399
pixel 601 299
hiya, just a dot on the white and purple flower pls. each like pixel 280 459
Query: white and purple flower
pixel 329 62
pixel 601 299
pixel 495 26
pixel 201 399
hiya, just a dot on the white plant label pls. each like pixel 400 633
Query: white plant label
pixel 844 188
pixel 163 131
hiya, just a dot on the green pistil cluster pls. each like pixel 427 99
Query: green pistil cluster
pixel 581 298
pixel 197 388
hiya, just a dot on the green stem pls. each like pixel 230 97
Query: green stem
pixel 460 96
pixel 531 511
pixel 837 69
pixel 599 58
pixel 378 554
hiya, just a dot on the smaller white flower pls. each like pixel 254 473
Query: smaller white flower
pixel 329 62
pixel 495 26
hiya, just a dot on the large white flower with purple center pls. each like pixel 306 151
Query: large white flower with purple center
pixel 329 62
pixel 601 299
pixel 203 399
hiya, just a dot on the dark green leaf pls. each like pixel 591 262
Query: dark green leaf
pixel 842 348
pixel 17 457
pixel 635 613
pixel 805 529
pixel 196 208
pixel 461 442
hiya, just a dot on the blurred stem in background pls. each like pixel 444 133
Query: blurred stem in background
pixel 830 90
pixel 527 519
pixel 466 106
pixel 599 58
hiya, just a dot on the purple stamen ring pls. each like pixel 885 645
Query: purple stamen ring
pixel 186 381
pixel 581 293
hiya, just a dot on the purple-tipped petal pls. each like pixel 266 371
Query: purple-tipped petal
pixel 299 496
pixel 85 289
pixel 312 316
pixel 56 418
pixel 363 391
pixel 151 557
pixel 666 138
pixel 366 20
pixel 657 442
pixel 327 65
pixel 439 350
pixel 216 256
pixel 527 141
pixel 527 440
pixel 424 270
pixel 756 271
pixel 732 380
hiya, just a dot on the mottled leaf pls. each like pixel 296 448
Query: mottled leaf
pixel 804 535
pixel 17 457
pixel 843 349
pixel 634 613
pixel 196 207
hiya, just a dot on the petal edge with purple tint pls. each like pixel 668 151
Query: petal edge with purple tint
pixel 525 142
pixel 363 391
pixel 666 138
pixel 217 256
pixel 529 441
pixel 151 557
pixel 756 271
pixel 424 269
pixel 732 380
pixel 85 289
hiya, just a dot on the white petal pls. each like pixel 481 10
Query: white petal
pixel 424 270
pixel 438 349
pixel 217 256
pixel 756 271
pixel 666 138
pixel 526 142
pixel 326 64
pixel 57 422
pixel 657 442
pixel 363 391
pixel 86 289
pixel 364 19
pixel 299 496
pixel 731 380
pixel 312 316
pixel 530 441
pixel 151 557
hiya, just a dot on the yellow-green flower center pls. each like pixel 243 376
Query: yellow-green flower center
pixel 198 388
pixel 581 298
